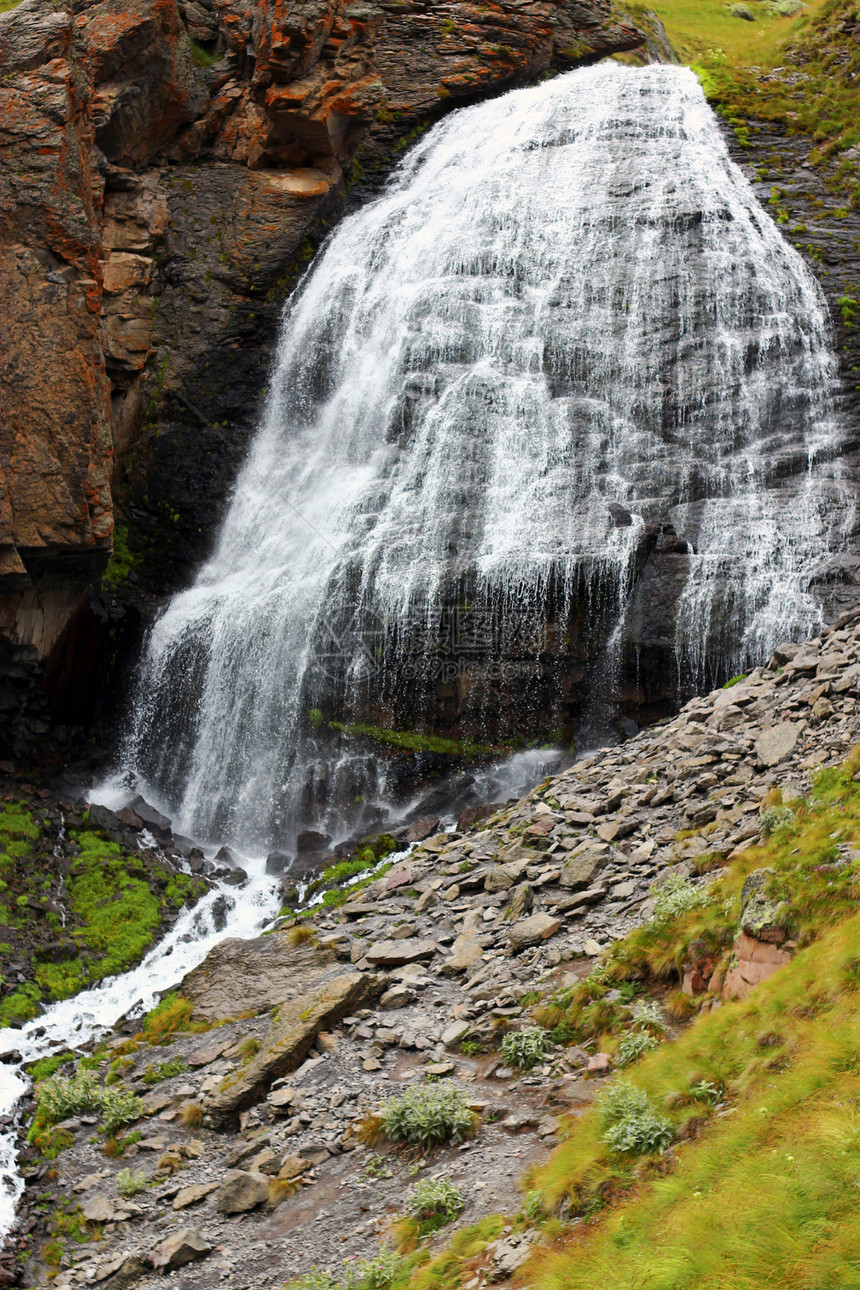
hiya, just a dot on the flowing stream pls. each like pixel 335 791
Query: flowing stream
pixel 73 1022
pixel 565 320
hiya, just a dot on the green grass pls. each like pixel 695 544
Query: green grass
pixel 766 1195
pixel 114 903
pixel 121 562
pixel 409 741
pixel 797 69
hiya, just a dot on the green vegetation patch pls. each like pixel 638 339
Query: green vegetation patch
pixel 74 909
pixel 410 742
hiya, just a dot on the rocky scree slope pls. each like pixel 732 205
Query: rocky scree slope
pixel 169 168
pixel 257 1153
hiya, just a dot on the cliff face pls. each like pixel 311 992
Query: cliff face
pixel 169 168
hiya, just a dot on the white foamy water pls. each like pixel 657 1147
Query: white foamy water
pixel 568 300
pixel 565 328
pixel 75 1021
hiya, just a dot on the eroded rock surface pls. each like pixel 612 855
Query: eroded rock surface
pixel 168 170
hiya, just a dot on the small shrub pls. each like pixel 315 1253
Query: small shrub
pixel 119 1108
pixel 533 1206
pixel 58 1098
pixel 427 1114
pixel 742 11
pixel 634 1045
pixel 525 1048
pixel 130 1183
pixel 435 1198
pixel 776 817
pixel 371 1274
pixel 676 896
pixel 630 1123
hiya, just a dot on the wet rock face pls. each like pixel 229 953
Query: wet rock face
pixel 164 167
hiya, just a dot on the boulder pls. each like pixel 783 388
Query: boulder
pixel 248 977
pixel 150 818
pixel 397 952
pixel 533 930
pixel 184 1246
pixel 776 743
pixel 504 876
pixel 421 829
pixel 193 1194
pixel 466 951
pixel 242 1191
pixel 581 871
pixel 99 1209
pixel 522 901
pixel 310 842
pixel 291 1034
pixel 474 814
pixel 278 862
pixel 454 1033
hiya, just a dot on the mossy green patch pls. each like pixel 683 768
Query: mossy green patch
pixel 411 742
pixel 76 908
pixel 121 562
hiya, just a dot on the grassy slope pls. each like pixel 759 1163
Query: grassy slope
pixel 797 70
pixel 760 1187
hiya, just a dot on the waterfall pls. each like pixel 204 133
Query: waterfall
pixel 565 331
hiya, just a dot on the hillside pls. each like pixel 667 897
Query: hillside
pixel 651 962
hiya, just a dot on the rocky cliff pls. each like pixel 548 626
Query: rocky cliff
pixel 169 169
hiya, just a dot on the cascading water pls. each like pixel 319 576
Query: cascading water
pixel 564 327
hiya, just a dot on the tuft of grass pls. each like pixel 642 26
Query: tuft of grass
pixel 130 1183
pixel 300 935
pixel 249 1048
pixel 190 1115
pixel 172 1014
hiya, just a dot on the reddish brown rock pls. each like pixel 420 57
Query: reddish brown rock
pixel 755 961
pixel 154 213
